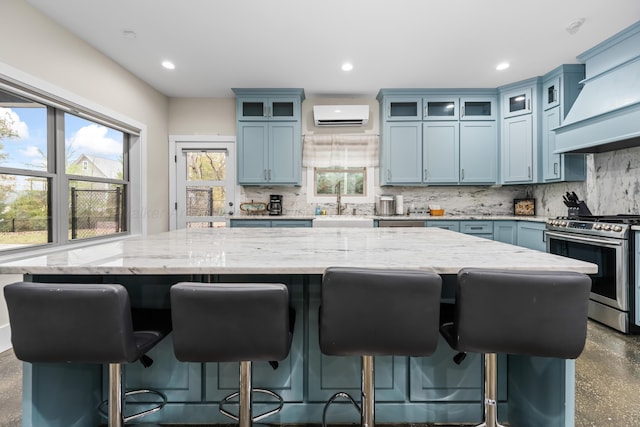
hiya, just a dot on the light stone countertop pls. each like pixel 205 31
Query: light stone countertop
pixel 291 251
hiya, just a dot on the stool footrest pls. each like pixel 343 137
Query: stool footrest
pixel 340 394
pixel 258 417
pixel 103 408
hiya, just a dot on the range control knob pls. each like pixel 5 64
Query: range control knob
pixel 606 227
pixel 597 226
pixel 563 223
pixel 617 228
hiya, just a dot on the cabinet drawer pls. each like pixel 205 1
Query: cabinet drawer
pixel 476 227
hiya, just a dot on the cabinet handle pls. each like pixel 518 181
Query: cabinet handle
pixel 462 111
pixel 462 174
pixel 555 168
pixel 555 95
pixel 528 104
pixel 425 175
pixel 266 178
pixel 269 171
pixel 529 172
pixel 388 174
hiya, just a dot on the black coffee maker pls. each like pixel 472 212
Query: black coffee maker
pixel 275 204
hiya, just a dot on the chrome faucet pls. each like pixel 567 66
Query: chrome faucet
pixel 338 189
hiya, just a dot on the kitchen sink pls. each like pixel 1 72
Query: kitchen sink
pixel 342 221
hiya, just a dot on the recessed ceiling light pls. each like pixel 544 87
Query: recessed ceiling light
pixel 168 65
pixel 347 66
pixel 502 66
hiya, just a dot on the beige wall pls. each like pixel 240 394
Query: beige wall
pixel 37 46
pixel 202 116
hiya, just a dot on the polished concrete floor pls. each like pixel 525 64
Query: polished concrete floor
pixel 607 381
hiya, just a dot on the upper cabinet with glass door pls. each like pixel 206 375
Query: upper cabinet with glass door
pixel 401 108
pixel 517 102
pixel 440 108
pixel 268 106
pixel 477 108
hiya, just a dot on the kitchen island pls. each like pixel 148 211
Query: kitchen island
pixel 532 391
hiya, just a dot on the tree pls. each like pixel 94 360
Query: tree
pixel 6 131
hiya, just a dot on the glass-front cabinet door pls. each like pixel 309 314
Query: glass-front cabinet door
pixel 269 109
pixel 517 102
pixel 477 108
pixel 551 93
pixel 403 108
pixel 440 108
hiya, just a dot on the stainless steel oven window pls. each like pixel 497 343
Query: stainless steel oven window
pixel 610 285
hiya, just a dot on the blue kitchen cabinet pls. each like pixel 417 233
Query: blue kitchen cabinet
pixel 447 225
pixel 441 152
pixel 269 145
pixel 477 228
pixel 402 108
pixel 517 150
pixel 250 223
pixel 531 235
pixel 505 231
pixel 559 91
pixel 478 108
pixel 440 108
pixel 452 141
pixel 478 152
pixel 518 101
pixel 291 223
pixel 267 108
pixel 402 153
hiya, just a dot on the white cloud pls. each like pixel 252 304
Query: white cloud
pixel 15 124
pixel 31 151
pixel 93 140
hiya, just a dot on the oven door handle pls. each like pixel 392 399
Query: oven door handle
pixel 574 238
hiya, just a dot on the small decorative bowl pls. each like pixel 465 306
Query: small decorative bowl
pixel 436 212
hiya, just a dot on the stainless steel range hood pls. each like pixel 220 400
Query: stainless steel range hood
pixel 606 114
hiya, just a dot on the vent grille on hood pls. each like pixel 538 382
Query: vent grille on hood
pixel 606 114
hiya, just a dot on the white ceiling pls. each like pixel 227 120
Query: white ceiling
pixel 220 44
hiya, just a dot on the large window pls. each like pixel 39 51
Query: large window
pixel 63 177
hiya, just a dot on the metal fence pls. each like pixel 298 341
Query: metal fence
pixel 96 212
pixel 15 225
pixel 199 202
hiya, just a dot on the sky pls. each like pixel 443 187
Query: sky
pixel 81 137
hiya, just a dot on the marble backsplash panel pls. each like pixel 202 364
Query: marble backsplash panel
pixel 455 200
pixel 612 186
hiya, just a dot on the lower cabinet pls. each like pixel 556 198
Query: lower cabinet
pixel 447 225
pixel 477 228
pixel 531 235
pixel 505 232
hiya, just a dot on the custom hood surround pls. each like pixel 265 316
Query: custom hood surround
pixel 606 114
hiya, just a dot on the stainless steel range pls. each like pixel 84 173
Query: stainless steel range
pixel 602 240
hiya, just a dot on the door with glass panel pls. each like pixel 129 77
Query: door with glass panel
pixel 205 180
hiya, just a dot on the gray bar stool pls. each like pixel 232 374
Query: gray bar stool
pixel 517 312
pixel 374 312
pixel 85 323
pixel 229 322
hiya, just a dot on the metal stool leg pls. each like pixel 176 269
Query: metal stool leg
pixel 115 395
pixel 368 392
pixel 245 399
pixel 490 391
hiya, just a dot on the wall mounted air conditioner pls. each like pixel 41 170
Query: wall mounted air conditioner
pixel 340 115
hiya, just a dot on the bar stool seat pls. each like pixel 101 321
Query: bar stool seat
pixel 373 312
pixel 85 323
pixel 517 312
pixel 229 322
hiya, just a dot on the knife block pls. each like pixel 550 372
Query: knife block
pixel 573 212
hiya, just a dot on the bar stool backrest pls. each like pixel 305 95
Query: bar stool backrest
pixel 522 312
pixel 81 323
pixel 379 312
pixel 225 322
